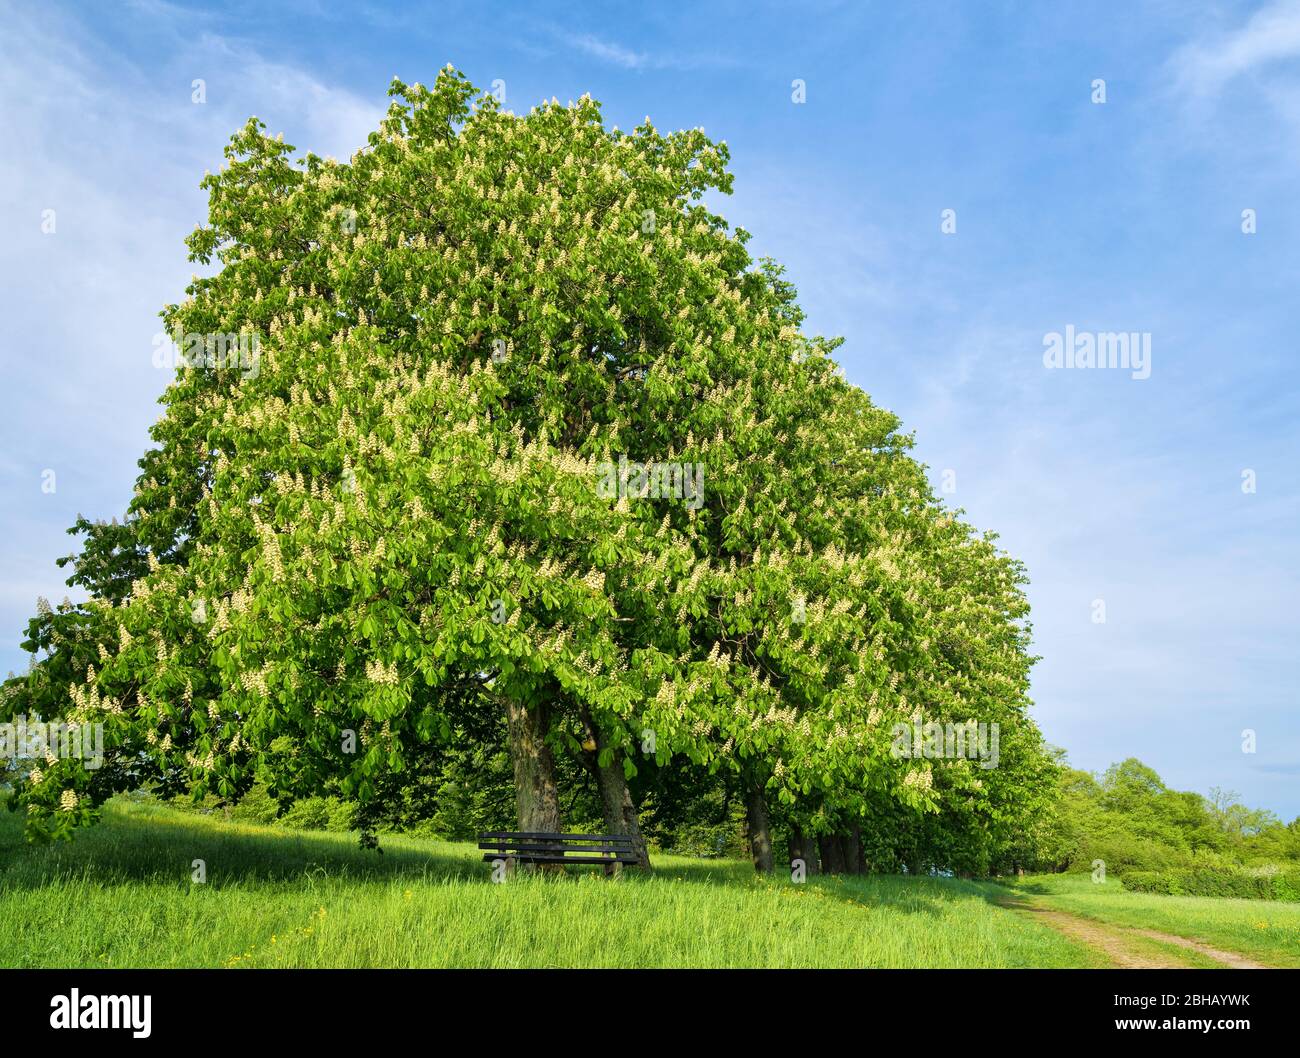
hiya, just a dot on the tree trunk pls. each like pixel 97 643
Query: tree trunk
pixel 536 795
pixel 855 859
pixel 632 826
pixel 803 847
pixel 812 854
pixel 758 828
pixel 848 855
pixel 615 798
pixel 832 860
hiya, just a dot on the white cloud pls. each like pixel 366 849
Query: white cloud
pixel 616 54
pixel 117 150
pixel 609 52
pixel 1269 36
pixel 327 119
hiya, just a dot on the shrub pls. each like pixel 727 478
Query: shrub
pixel 256 806
pixel 1148 882
pixel 310 813
pixel 1221 882
pixel 1286 884
pixel 342 815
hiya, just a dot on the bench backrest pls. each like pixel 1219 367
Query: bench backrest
pixel 541 845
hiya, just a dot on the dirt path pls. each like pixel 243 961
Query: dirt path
pixel 1116 942
pixel 1229 959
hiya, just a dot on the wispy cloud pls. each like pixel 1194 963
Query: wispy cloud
pixel 114 146
pixel 1269 36
pixel 332 119
pixel 610 52
pixel 615 54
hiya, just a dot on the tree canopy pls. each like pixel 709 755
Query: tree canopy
pixel 521 434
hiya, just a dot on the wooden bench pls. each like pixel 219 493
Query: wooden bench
pixel 609 850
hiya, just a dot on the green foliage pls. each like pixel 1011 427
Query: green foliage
pixel 1225 882
pixel 343 559
pixel 1136 825
pixel 256 806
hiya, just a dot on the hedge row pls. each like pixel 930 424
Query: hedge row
pixel 1203 881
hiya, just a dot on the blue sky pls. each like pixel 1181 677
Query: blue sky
pixel 1122 216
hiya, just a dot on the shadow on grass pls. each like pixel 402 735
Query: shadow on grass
pixel 1033 888
pixel 1010 888
pixel 145 842
pixel 136 843
pixel 915 895
pixel 921 896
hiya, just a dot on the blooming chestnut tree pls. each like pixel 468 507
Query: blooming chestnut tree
pixel 525 426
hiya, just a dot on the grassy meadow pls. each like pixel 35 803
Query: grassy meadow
pixel 1268 930
pixel 121 895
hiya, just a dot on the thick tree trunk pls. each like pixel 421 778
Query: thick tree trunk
pixel 832 860
pixel 536 795
pixel 758 828
pixel 632 826
pixel 848 858
pixel 813 854
pixel 804 847
pixel 615 798
pixel 855 860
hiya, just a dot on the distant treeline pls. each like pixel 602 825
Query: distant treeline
pixel 1128 823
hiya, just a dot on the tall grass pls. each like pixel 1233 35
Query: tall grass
pixel 121 895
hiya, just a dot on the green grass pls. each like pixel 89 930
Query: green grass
pixel 120 895
pixel 1265 929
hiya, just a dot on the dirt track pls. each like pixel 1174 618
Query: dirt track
pixel 1116 943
